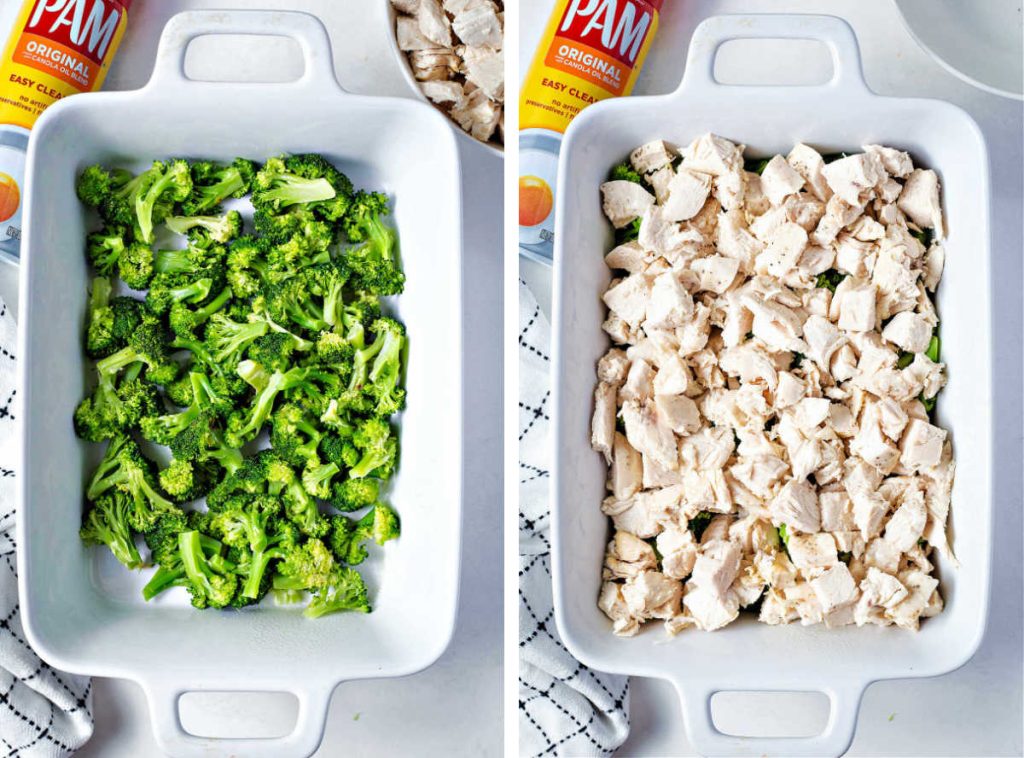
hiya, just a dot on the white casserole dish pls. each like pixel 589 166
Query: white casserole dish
pixel 85 614
pixel 748 656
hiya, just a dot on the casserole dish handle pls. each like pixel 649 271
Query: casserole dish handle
pixel 844 704
pixel 314 701
pixel 833 32
pixel 306 30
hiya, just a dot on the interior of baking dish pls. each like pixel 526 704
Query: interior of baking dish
pixel 82 611
pixel 768 121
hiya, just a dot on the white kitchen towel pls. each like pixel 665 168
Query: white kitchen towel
pixel 565 709
pixel 43 713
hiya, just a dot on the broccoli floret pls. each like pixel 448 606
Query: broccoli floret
pixel 314 166
pixel 96 185
pixel 275 188
pixel 358 317
pixel 355 494
pixel 187 480
pixel 245 424
pixel 247 268
pixel 118 207
pixel 376 369
pixel 305 248
pixel 167 289
pixel 829 280
pixel 208 587
pixel 229 339
pixel 185 320
pixel 327 281
pixel 307 567
pixel 192 261
pixel 128 317
pixel 113 252
pixel 294 436
pixel 378 449
pixel 345 591
pixel 274 351
pixel 291 300
pixel 373 264
pixel 256 529
pixel 126 469
pixel 117 405
pixel 348 538
pixel 625 172
pixel 206 229
pixel 340 449
pixel 99 334
pixel 162 185
pixel 108 523
pixel 280 227
pixel 163 429
pixel 317 476
pixel 114 407
pixel 201 441
pixel 213 183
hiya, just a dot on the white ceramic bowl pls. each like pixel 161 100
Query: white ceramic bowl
pixel 748 656
pixel 980 43
pixel 84 613
pixel 494 148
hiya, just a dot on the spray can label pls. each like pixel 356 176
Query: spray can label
pixel 591 50
pixel 56 48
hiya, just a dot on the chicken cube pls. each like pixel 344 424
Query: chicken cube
pixel 624 201
pixel 796 505
pixel 779 179
pixel 920 200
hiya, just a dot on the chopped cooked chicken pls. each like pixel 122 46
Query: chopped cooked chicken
pixel 774 370
pixel 455 51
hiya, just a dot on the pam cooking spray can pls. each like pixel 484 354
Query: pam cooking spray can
pixel 591 50
pixel 56 48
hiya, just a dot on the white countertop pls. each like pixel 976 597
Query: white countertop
pixel 453 708
pixel 975 711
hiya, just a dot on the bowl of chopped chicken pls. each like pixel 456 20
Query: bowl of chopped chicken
pixel 451 52
pixel 771 387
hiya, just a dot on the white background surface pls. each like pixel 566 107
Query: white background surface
pixel 454 707
pixel 975 711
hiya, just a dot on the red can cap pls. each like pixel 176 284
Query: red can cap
pixel 127 4
pixel 655 3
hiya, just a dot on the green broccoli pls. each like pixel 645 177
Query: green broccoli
pixel 184 320
pixel 355 494
pixel 204 230
pixel 163 429
pixel 345 591
pixel 208 587
pixel 99 334
pixel 213 183
pixel 624 172
pixel 112 251
pixel 164 184
pixel 348 537
pixel 378 449
pixel 373 264
pixel 167 289
pixel 294 436
pixel 126 469
pixel 275 188
pixel 247 268
pixel 108 522
pixel 314 166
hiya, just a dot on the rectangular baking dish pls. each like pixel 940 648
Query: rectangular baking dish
pixel 81 611
pixel 748 656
